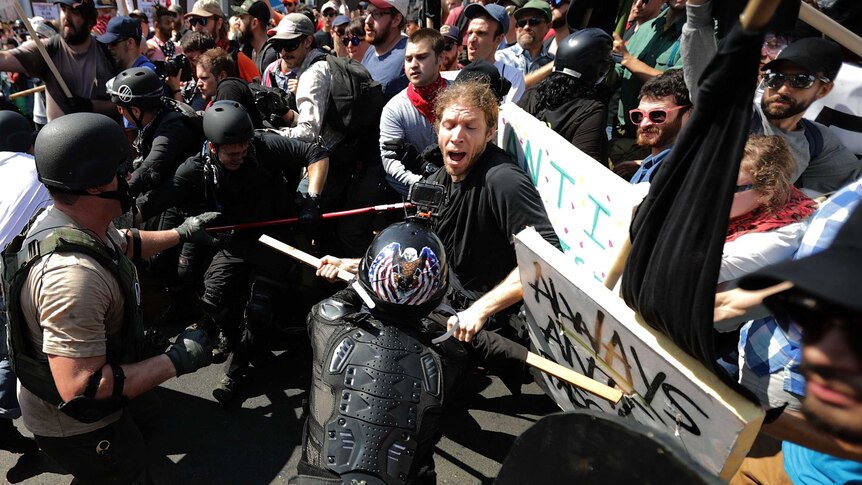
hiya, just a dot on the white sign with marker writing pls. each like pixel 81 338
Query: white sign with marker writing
pixel 577 322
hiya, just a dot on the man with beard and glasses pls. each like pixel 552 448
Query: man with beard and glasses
pixel 323 37
pixel 83 63
pixel 407 121
pixel 254 18
pixel 642 11
pixel 385 60
pixel 530 52
pixel 161 46
pixel 801 74
pixel 821 313
pixel 207 16
pixel 451 48
pixel 662 112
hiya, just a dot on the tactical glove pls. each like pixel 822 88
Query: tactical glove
pixel 193 229
pixel 190 351
pixel 309 207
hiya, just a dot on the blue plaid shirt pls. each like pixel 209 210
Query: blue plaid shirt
pixel 770 349
pixel 518 58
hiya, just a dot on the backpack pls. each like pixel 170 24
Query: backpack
pixel 809 128
pixel 355 99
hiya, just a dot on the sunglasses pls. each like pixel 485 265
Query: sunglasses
pixel 198 20
pixel 744 188
pixel 774 80
pixel 351 40
pixel 448 46
pixel 815 317
pixel 377 14
pixel 657 116
pixel 329 13
pixel 288 45
pixel 340 32
pixel 533 21
pixel 558 3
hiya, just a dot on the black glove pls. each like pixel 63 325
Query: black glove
pixel 432 160
pixel 77 104
pixel 190 351
pixel 193 229
pixel 406 153
pixel 309 207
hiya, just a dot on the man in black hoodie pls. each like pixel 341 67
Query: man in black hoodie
pixel 218 81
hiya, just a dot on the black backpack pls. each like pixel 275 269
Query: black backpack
pixel 355 99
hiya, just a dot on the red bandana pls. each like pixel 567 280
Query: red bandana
pixel 798 208
pixel 425 99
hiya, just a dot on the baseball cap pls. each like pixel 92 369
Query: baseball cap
pixel 812 54
pixel 831 274
pixel 176 8
pixel 255 8
pixel 539 6
pixel 484 71
pixel 87 8
pixel 493 10
pixel 451 31
pixel 206 8
pixel 292 26
pixel 139 16
pixel 401 5
pixel 341 20
pixel 328 5
pixel 119 28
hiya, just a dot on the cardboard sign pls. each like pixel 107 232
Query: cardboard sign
pixel 589 206
pixel 577 322
pixel 841 109
pixel 47 11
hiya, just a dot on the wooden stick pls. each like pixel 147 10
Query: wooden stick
pixel 831 28
pixel 619 265
pixel 574 378
pixel 548 366
pixel 51 66
pixel 27 92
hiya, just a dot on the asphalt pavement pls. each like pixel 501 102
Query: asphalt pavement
pixel 257 441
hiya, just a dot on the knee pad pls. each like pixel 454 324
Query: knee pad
pixel 259 310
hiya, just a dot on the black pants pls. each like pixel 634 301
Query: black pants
pixel 115 454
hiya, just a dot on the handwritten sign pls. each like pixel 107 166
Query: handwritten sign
pixel 589 206
pixel 841 109
pixel 577 322
pixel 47 11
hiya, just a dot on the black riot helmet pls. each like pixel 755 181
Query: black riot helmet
pixel 138 86
pixel 16 133
pixel 80 151
pixel 585 55
pixel 227 122
pixel 404 270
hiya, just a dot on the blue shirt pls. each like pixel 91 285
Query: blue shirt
pixel 768 347
pixel 519 58
pixel 649 165
pixel 388 69
pixel 809 467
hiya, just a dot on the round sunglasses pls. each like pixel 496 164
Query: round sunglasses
pixel 351 40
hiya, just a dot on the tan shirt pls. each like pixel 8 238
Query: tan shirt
pixel 70 303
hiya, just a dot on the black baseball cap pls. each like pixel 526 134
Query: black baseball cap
pixel 485 72
pixel 831 275
pixel 813 54
pixel 120 27
pixel 87 8
pixel 255 8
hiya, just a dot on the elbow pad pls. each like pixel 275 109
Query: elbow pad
pixel 86 409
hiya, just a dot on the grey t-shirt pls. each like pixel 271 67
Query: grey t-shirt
pixel 85 73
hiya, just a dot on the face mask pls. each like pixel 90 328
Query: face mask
pixel 121 194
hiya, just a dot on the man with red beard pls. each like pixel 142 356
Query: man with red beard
pixel 407 121
pixel 385 61
pixel 663 110
pixel 84 64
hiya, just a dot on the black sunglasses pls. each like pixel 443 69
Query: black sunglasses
pixel 744 188
pixel 815 317
pixel 448 46
pixel 351 40
pixel 340 32
pixel 329 13
pixel 774 80
pixel 198 20
pixel 533 21
pixel 287 45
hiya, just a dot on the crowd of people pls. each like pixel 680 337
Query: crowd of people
pixel 154 125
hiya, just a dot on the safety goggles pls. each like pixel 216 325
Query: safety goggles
pixel 533 21
pixel 287 45
pixel 198 20
pixel 351 40
pixel 657 116
pixel 815 317
pixel 774 80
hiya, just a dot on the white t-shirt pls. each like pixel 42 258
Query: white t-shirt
pixel 21 194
